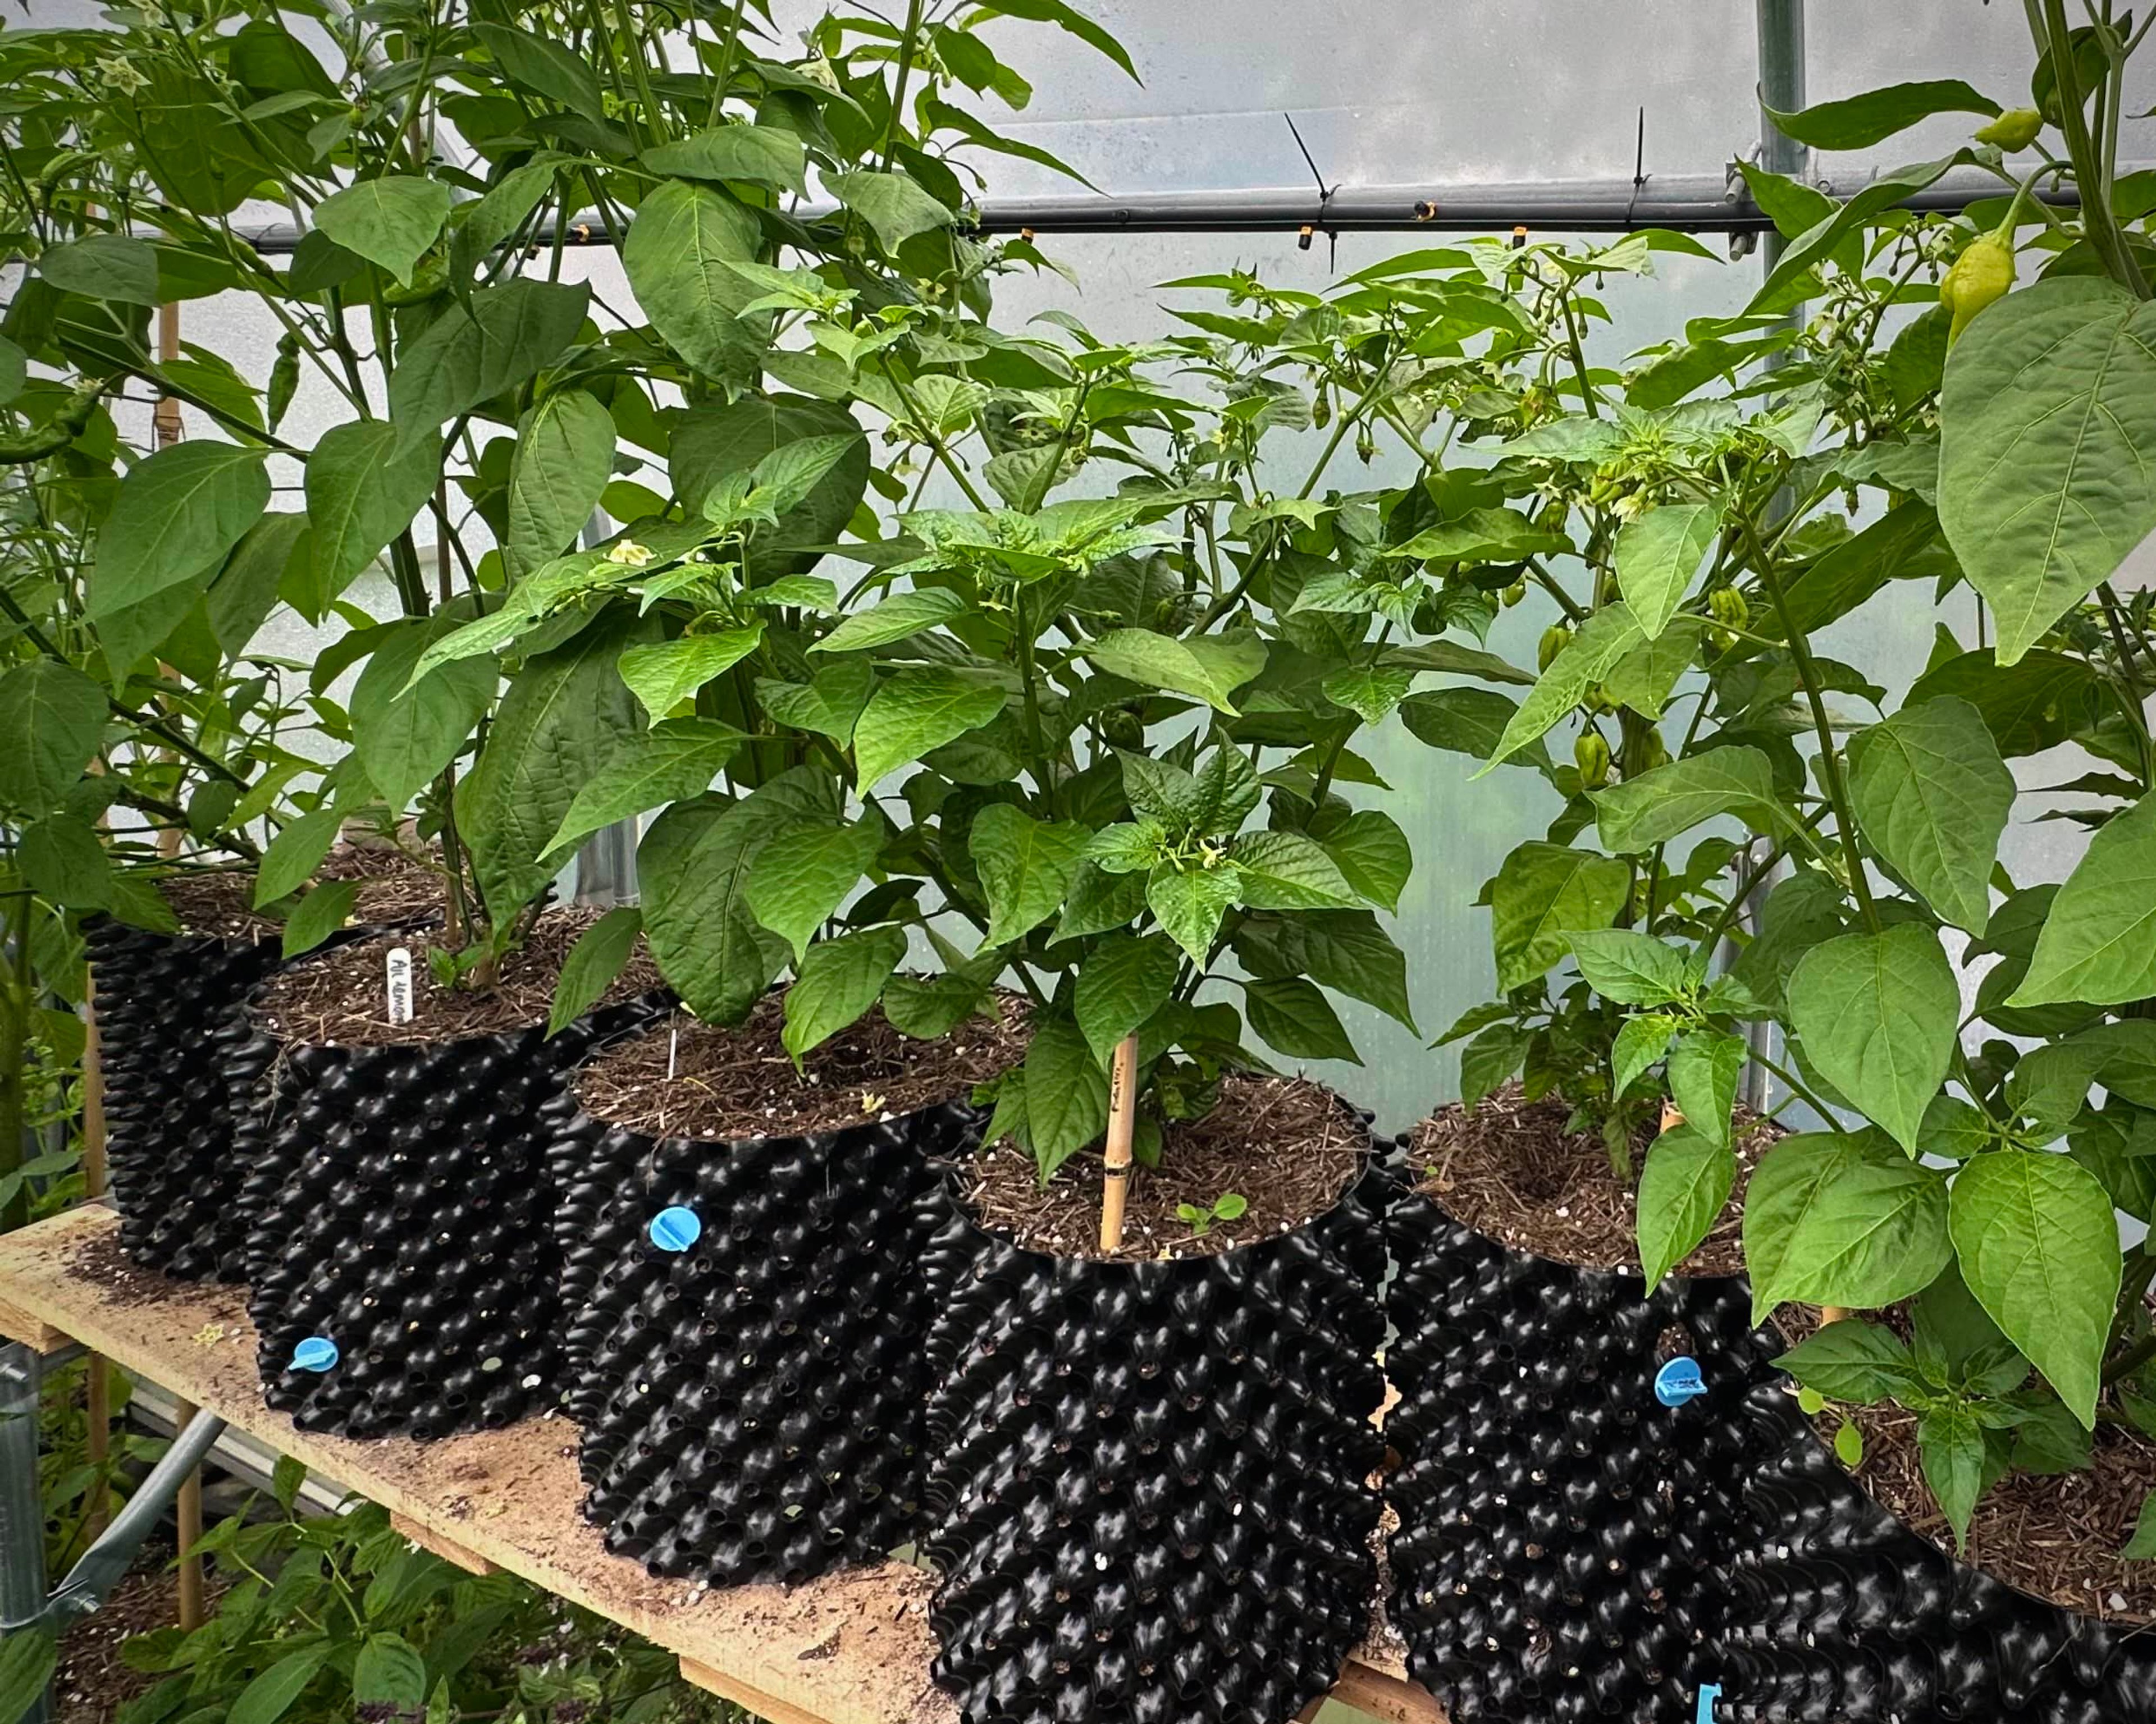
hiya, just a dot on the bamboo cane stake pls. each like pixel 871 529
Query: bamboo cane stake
pixel 1123 1130
pixel 188 1511
pixel 168 429
pixel 97 1395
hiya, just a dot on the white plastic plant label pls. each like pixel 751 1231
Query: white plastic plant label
pixel 400 984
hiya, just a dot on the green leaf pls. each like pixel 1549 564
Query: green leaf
pixel 1602 639
pixel 1950 1443
pixel 1842 1219
pixel 1832 585
pixel 246 589
pixel 1933 795
pixel 693 869
pixel 891 203
pixel 1209 667
pixel 1857 122
pixel 1372 853
pixel 734 152
pixel 1953 1130
pixel 898 616
pixel 2047 457
pixel 647 770
pixel 1686 1180
pixel 561 720
pixel 1344 949
pixel 801 875
pixel 1288 870
pixel 664 674
pixel 830 704
pixel 270 1695
pixel 1492 1056
pixel 1453 657
pixel 1190 906
pixel 785 479
pixel 1065 18
pixel 1543 894
pixel 1631 969
pixel 1852 1361
pixel 1099 901
pixel 839 980
pixel 2038 1241
pixel 710 445
pixel 1468 721
pixel 1877 1015
pixel 564 459
pixel 2035 704
pixel 176 516
pixel 390 221
pixel 1644 677
pixel 1640 1043
pixel 545 68
pixel 1658 553
pixel 363 490
pixel 104 266
pixel 471 355
pixel 1850 216
pixel 294 853
pixel 389 1669
pixel 53 718
pixel 1066 1094
pixel 1703 1070
pixel 1293 1015
pixel 676 256
pixel 1369 694
pixel 1123 981
pixel 405 736
pixel 919 708
pixel 1025 867
pixel 593 964
pixel 319 914
pixel 2098 943
pixel 2141 1547
pixel 14 371
pixel 64 862
pixel 1668 801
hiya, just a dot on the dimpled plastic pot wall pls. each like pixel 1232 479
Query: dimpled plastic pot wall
pixel 1840 1614
pixel 177 1050
pixel 1149 1496
pixel 411 1228
pixel 749 1372
pixel 1563 1536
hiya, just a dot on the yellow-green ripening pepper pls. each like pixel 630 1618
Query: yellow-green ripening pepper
pixel 1979 275
pixel 1555 640
pixel 2016 129
pixel 1591 753
pixel 1728 607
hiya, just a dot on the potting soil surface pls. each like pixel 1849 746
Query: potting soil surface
pixel 341 998
pixel 683 1079
pixel 1288 1147
pixel 393 887
pixel 1511 1171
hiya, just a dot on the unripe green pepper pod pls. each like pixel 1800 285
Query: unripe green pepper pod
pixel 1555 640
pixel 2016 129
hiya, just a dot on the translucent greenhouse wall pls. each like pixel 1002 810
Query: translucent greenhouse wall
pixel 1398 92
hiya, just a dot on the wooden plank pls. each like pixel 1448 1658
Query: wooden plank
pixel 851 1649
pixel 33 1331
pixel 443 1546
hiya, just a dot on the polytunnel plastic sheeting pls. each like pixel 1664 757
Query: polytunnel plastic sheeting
pixel 1401 92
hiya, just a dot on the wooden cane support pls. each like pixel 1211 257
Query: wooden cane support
pixel 187 1511
pixel 1123 1130
pixel 97 1388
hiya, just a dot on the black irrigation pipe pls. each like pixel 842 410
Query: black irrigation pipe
pixel 1696 204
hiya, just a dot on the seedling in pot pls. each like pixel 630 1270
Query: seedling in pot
pixel 1229 1206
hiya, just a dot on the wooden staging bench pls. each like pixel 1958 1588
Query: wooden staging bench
pixel 851 1649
